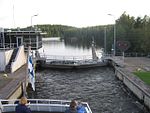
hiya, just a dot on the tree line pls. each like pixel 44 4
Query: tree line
pixel 128 28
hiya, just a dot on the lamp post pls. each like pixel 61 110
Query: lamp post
pixel 105 49
pixel 114 45
pixel 31 19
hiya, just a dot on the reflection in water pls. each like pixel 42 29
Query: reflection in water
pixel 97 86
pixel 58 47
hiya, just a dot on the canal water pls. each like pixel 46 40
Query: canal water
pixel 97 86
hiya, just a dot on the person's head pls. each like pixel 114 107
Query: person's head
pixel 23 100
pixel 73 104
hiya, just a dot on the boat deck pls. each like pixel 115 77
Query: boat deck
pixel 40 105
pixel 38 112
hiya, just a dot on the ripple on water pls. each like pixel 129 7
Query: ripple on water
pixel 98 86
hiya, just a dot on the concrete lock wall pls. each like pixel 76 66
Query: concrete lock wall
pixel 2 62
pixel 20 60
pixel 133 88
pixel 8 55
pixel 119 75
pixel 5 56
pixel 17 92
pixel 139 91
pixel 147 100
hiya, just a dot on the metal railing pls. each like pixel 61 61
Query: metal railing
pixel 7 46
pixel 59 57
pixel 40 105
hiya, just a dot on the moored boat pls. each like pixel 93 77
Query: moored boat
pixel 68 64
pixel 72 62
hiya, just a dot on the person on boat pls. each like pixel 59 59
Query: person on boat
pixel 81 108
pixel 72 107
pixel 21 107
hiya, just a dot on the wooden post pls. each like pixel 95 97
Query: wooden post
pixel 123 56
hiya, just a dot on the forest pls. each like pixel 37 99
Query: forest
pixel 135 31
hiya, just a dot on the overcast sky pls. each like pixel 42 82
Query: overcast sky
pixel 78 13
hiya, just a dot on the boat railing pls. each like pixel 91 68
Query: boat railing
pixel 59 57
pixel 40 105
pixel 76 60
pixel 7 46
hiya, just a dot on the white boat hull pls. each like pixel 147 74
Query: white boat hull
pixel 40 105
pixel 72 64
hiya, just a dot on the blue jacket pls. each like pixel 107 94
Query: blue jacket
pixel 81 109
pixel 70 111
pixel 20 108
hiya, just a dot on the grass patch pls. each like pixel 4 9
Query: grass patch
pixel 145 76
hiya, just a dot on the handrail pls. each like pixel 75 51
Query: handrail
pixel 40 105
pixel 7 45
pixel 59 57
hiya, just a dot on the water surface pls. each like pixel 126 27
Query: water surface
pixel 97 86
